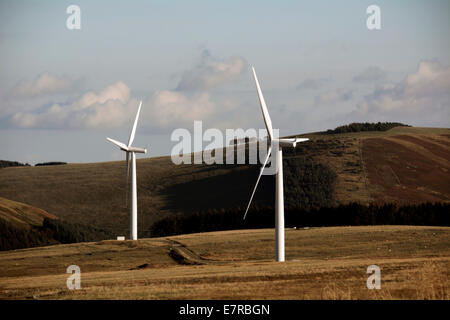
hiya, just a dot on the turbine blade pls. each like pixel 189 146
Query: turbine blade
pixel 133 131
pixel 257 181
pixel 264 110
pixel 118 143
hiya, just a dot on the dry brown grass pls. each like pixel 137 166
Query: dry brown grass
pixel 322 263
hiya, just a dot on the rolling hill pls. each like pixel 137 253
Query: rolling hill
pixel 401 165
pixel 22 215
pixel 23 226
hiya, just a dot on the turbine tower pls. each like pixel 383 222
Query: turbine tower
pixel 279 194
pixel 133 187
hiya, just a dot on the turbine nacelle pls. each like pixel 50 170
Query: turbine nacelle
pixel 129 148
pixel 136 150
pixel 289 142
pixel 124 147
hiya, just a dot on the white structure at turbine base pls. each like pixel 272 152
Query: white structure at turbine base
pixel 133 185
pixel 279 194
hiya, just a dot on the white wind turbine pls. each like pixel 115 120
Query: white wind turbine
pixel 279 195
pixel 133 192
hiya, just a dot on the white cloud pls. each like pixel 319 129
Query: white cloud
pixel 422 95
pixel 107 108
pixel 172 108
pixel 43 84
pixel 114 106
pixel 33 95
pixel 211 72
pixel 118 91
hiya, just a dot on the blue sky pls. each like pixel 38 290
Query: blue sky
pixel 63 91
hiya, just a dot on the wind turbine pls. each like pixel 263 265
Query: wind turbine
pixel 133 191
pixel 279 194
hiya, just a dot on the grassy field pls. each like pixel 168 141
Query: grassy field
pixel 322 263
pixel 95 193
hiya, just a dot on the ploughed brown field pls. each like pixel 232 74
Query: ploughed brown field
pixel 322 263
pixel 408 168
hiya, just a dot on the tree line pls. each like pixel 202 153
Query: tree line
pixel 53 163
pixel 6 163
pixel 353 214
pixel 366 126
pixel 52 231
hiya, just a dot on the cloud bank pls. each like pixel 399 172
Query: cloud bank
pixel 424 94
pixel 422 98
pixel 113 106
pixel 105 108
pixel 43 84
pixel 211 72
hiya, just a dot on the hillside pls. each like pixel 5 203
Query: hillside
pixel 22 215
pixel 402 165
pixel 322 263
pixel 23 226
pixel 387 167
